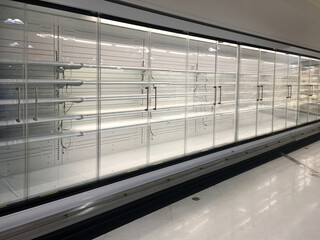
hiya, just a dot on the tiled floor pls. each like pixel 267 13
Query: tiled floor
pixel 278 200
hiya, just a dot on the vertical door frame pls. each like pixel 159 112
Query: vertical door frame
pixel 25 106
pixel 148 128
pixel 287 99
pixel 274 89
pixel 215 93
pixel 237 93
pixel 258 86
pixel 298 94
pixel 186 98
pixel 98 50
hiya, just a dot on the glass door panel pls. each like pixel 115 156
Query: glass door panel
pixel 125 91
pixel 201 92
pixel 293 85
pixel 266 85
pixel 62 106
pixel 225 97
pixel 168 54
pixel 13 97
pixel 280 92
pixel 249 92
pixel 304 90
pixel 313 98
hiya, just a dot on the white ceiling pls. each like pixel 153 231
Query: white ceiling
pixel 293 21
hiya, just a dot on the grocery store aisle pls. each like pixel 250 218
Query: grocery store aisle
pixel 277 200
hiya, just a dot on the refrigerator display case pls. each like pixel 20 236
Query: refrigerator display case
pixel 85 98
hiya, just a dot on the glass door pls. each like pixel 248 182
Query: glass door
pixel 266 85
pixel 125 97
pixel 13 99
pixel 168 64
pixel 62 100
pixel 225 94
pixel 292 91
pixel 313 97
pixel 250 93
pixel 201 94
pixel 280 91
pixel 304 90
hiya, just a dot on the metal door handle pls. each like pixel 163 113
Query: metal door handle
pixel 258 93
pixel 36 104
pixel 215 95
pixel 156 97
pixel 261 93
pixel 288 91
pixel 220 95
pixel 19 105
pixel 147 109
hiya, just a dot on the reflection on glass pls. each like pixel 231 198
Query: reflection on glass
pixel 281 91
pixel 304 90
pixel 266 85
pixel 250 92
pixel 83 100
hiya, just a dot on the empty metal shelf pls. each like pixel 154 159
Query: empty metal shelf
pixel 42 81
pixel 65 65
pixel 40 100
pixel 31 139
pixel 39 120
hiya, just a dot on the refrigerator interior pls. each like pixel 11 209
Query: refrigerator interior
pixel 85 98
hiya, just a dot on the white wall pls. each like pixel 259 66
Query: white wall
pixel 293 21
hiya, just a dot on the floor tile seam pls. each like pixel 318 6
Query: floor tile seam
pixel 298 162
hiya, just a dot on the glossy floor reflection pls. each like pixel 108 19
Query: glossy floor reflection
pixel 278 200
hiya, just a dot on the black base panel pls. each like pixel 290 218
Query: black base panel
pixel 108 221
